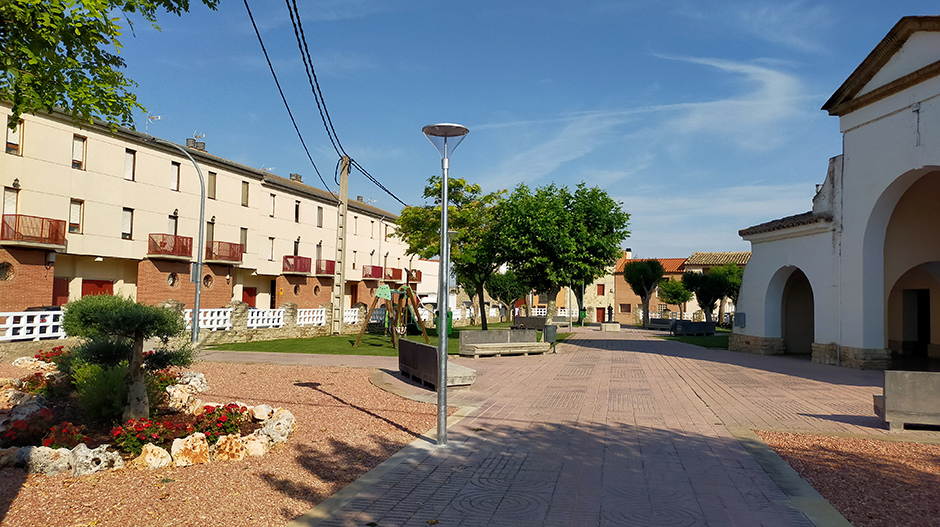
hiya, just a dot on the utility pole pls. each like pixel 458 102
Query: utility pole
pixel 339 276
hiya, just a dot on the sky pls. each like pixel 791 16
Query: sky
pixel 701 117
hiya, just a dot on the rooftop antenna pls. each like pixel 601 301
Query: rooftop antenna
pixel 150 118
pixel 267 169
pixel 197 135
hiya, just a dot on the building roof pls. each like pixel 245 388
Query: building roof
pixel 846 98
pixel 670 265
pixel 806 218
pixel 702 259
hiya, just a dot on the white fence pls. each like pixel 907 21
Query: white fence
pixel 311 317
pixel 211 319
pixel 31 325
pixel 265 318
pixel 351 316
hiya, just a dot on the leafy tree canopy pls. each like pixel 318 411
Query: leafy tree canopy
pixel 673 292
pixel 708 289
pixel 507 288
pixel 63 54
pixel 643 276
pixel 734 274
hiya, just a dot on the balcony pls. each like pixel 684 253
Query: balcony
pixel 224 253
pixel 296 265
pixel 325 268
pixel 392 274
pixel 372 272
pixel 32 231
pixel 414 276
pixel 170 247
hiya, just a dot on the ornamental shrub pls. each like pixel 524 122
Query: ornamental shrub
pixel 220 420
pixel 56 354
pixel 48 387
pixel 102 392
pixel 135 433
pixel 64 435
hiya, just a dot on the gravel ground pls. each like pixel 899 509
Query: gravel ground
pixel 345 427
pixel 870 482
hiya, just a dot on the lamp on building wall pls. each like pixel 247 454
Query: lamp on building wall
pixel 50 259
pixel 445 137
pixel 16 182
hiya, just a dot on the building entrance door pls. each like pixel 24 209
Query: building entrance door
pixel 249 294
pixel 97 287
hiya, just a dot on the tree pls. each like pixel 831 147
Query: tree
pixel 474 251
pixel 552 238
pixel 708 289
pixel 55 54
pixel 506 288
pixel 673 292
pixel 643 276
pixel 116 328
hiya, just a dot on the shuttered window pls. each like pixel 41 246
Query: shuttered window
pixel 319 216
pixel 130 162
pixel 272 204
pixel 174 176
pixel 210 191
pixel 78 152
pixel 14 139
pixel 173 225
pixel 127 224
pixel 75 216
pixel 243 239
pixel 271 251
pixel 9 200
pixel 210 231
pixel 296 212
pixel 244 193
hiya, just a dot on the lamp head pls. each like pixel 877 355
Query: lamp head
pixel 445 136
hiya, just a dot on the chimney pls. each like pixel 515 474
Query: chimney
pixel 359 198
pixel 296 177
pixel 628 253
pixel 201 146
pixel 191 143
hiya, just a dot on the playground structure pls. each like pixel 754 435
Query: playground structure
pixel 396 303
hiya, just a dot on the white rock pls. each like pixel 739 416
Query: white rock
pixel 86 461
pixel 8 456
pixel 181 398
pixel 229 448
pixel 257 444
pixel 278 426
pixel 24 410
pixel 44 460
pixel 192 450
pixel 261 412
pixel 16 397
pixel 151 457
pixel 196 380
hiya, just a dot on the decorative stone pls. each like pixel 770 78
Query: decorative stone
pixel 86 461
pixel 261 412
pixel 229 448
pixel 31 363
pixel 195 380
pixel 26 409
pixel 6 383
pixel 278 426
pixel 43 460
pixel 151 457
pixel 257 444
pixel 192 450
pixel 8 456
pixel 181 398
pixel 15 397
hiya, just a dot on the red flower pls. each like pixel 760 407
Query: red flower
pixel 20 424
pixel 154 435
pixel 223 418
pixel 47 441
pixel 116 431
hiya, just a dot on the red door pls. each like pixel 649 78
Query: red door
pixel 60 291
pixel 601 314
pixel 248 295
pixel 97 287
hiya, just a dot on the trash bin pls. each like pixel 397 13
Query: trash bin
pixel 582 314
pixel 549 333
pixel 450 323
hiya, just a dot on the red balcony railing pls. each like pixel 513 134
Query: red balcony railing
pixel 296 264
pixel 392 274
pixel 170 245
pixel 224 252
pixel 32 229
pixel 414 276
pixel 372 272
pixel 326 268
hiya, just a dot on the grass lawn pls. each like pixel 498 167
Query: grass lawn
pixel 718 341
pixel 377 345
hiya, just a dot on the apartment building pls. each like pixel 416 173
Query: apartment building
pixel 88 210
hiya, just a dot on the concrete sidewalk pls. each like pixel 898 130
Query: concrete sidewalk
pixel 616 429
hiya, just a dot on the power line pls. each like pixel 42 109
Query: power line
pixel 283 98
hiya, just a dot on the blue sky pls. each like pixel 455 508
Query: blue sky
pixel 702 117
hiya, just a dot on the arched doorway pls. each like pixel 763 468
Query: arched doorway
pixel 797 316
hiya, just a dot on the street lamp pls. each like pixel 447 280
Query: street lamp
pixel 445 137
pixel 195 274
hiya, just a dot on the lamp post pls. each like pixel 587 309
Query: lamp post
pixel 445 137
pixel 195 276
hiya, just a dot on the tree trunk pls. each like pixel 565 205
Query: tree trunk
pixel 579 299
pixel 552 307
pixel 138 405
pixel 646 309
pixel 482 311
pixel 721 311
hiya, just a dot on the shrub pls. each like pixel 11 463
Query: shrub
pixel 48 387
pixel 54 356
pixel 27 432
pixel 102 392
pixel 157 381
pixel 220 420
pixel 135 433
pixel 64 435
pixel 164 357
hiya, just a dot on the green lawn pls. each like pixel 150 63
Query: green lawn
pixel 377 345
pixel 718 341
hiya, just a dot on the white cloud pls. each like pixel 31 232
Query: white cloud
pixel 793 24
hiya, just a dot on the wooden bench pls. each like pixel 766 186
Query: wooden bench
pixel 499 342
pixel 909 397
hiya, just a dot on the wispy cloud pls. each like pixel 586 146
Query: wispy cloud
pixel 794 25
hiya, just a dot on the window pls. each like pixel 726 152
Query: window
pixel 210 231
pixel 354 259
pixel 625 308
pixel 14 139
pixel 243 239
pixel 78 152
pixel 271 249
pixel 355 225
pixel 272 205
pixel 127 224
pixel 296 212
pixel 10 196
pixel 372 230
pixel 600 289
pixel 386 232
pixel 75 216
pixel 210 191
pixel 173 225
pixel 244 193
pixel 320 251
pixel 296 247
pixel 174 176
pixel 130 163
pixel 319 216
pixel 662 309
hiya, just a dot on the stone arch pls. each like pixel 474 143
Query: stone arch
pixel 789 310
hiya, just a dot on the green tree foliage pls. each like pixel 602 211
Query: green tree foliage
pixel 734 273
pixel 708 289
pixel 64 54
pixel 643 276
pixel 474 251
pixel 673 292
pixel 115 329
pixel 552 237
pixel 507 288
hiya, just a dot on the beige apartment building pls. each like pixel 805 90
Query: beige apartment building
pixel 88 210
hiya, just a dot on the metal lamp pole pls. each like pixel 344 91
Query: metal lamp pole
pixel 445 137
pixel 199 248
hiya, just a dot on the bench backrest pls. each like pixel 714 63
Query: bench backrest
pixel 912 391
pixel 529 322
